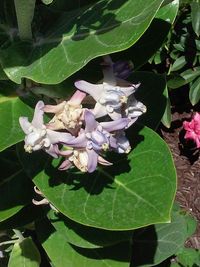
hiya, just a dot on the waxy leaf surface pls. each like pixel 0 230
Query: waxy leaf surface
pixel 62 253
pixel 11 108
pixel 77 37
pixel 137 190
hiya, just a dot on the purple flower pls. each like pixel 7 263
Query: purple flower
pixel 91 142
pixel 122 69
pixel 38 136
pixel 112 95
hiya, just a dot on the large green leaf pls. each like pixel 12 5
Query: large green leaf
pixel 25 217
pixel 139 192
pixel 152 93
pixel 62 253
pixel 15 191
pixel 147 45
pixel 154 244
pixel 84 236
pixel 11 108
pixel 77 37
pixel 24 253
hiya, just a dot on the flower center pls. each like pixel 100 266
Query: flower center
pixel 113 99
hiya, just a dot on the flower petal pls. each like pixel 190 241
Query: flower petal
pixel 54 108
pixel 90 122
pixel 37 121
pixel 92 160
pixel 95 90
pixel 102 161
pixel 66 164
pixel 78 142
pixel 111 126
pixel 77 97
pixel 57 137
pixel 52 151
pixel 99 110
pixel 25 124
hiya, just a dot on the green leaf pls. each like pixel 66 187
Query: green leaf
pixel 175 81
pixel 189 75
pixel 25 12
pixel 154 244
pixel 152 93
pixel 22 218
pixel 25 254
pixel 147 45
pixel 189 257
pixel 3 76
pixel 178 64
pixel 11 108
pixel 15 191
pixel 194 93
pixel 167 116
pixel 126 197
pixel 86 237
pixel 62 253
pixel 76 38
pixel 195 13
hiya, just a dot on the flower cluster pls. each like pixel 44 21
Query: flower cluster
pixel 193 129
pixel 83 140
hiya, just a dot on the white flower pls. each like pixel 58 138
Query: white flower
pixel 114 96
pixel 38 136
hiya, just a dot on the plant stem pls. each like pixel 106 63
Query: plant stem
pixel 18 234
pixel 8 242
pixel 25 11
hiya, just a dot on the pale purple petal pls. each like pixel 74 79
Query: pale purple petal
pixel 115 115
pixel 90 122
pixel 52 151
pixel 54 108
pixel 129 90
pixel 92 160
pixel 77 97
pixel 25 124
pixel 66 164
pixel 108 71
pixel 111 126
pixel 95 90
pixel 78 142
pixel 99 110
pixel 58 137
pixel 37 121
pixel 113 142
pixel 65 153
pixel 102 161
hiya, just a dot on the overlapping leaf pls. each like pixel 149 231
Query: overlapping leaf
pixel 84 236
pixel 62 253
pixel 11 108
pixel 16 191
pixel 77 37
pixel 24 253
pixel 155 244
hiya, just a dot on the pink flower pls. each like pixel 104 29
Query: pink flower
pixel 193 129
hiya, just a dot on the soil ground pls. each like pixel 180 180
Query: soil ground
pixel 186 159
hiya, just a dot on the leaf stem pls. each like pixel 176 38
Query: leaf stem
pixel 25 11
pixel 18 234
pixel 8 242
